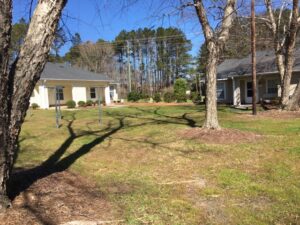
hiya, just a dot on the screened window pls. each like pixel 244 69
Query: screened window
pixel 59 94
pixel 272 87
pixel 93 92
pixel 221 90
pixel 249 89
pixel 111 92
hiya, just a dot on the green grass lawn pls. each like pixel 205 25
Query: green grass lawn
pixel 146 169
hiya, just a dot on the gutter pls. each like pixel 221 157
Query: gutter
pixel 47 79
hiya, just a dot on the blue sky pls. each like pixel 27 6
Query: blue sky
pixel 95 19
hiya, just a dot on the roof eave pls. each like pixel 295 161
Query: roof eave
pixel 47 79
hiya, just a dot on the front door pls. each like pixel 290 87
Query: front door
pixel 249 92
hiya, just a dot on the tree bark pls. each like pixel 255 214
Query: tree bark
pixel 5 30
pixel 285 52
pixel 278 45
pixel 253 54
pixel 290 55
pixel 215 42
pixel 211 111
pixel 22 78
pixel 294 102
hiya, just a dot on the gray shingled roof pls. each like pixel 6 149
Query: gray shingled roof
pixel 265 64
pixel 59 71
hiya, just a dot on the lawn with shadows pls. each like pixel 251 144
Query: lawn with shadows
pixel 148 173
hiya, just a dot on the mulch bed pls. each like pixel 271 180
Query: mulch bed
pixel 59 198
pixel 222 136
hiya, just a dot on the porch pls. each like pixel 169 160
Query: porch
pixel 267 89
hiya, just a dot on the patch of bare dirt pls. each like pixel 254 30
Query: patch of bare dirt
pixel 280 114
pixel 154 104
pixel 59 198
pixel 222 136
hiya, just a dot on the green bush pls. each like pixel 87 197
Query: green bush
pixel 96 102
pixel 133 96
pixel 81 103
pixel 169 97
pixel 180 88
pixel 144 96
pixel 157 97
pixel 89 103
pixel 34 106
pixel 71 104
pixel 196 98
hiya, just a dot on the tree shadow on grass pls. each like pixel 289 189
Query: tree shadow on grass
pixel 161 118
pixel 23 179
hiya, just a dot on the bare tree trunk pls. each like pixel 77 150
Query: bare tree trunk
pixel 211 112
pixel 23 76
pixel 290 55
pixel 5 30
pixel 294 102
pixel 285 59
pixel 215 42
pixel 253 51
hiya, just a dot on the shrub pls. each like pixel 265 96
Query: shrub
pixel 180 88
pixel 81 103
pixel 71 104
pixel 34 106
pixel 89 103
pixel 169 97
pixel 157 97
pixel 133 96
pixel 96 102
pixel 144 96
pixel 196 98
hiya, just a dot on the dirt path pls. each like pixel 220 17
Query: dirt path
pixel 154 104
pixel 223 136
pixel 59 198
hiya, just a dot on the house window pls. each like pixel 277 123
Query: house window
pixel 59 94
pixel 272 87
pixel 221 90
pixel 111 92
pixel 249 89
pixel 93 92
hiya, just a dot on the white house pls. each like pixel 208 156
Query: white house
pixel 64 82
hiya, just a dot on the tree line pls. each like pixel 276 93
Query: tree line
pixel 143 60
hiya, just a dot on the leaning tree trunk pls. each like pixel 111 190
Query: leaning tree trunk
pixel 23 76
pixel 211 112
